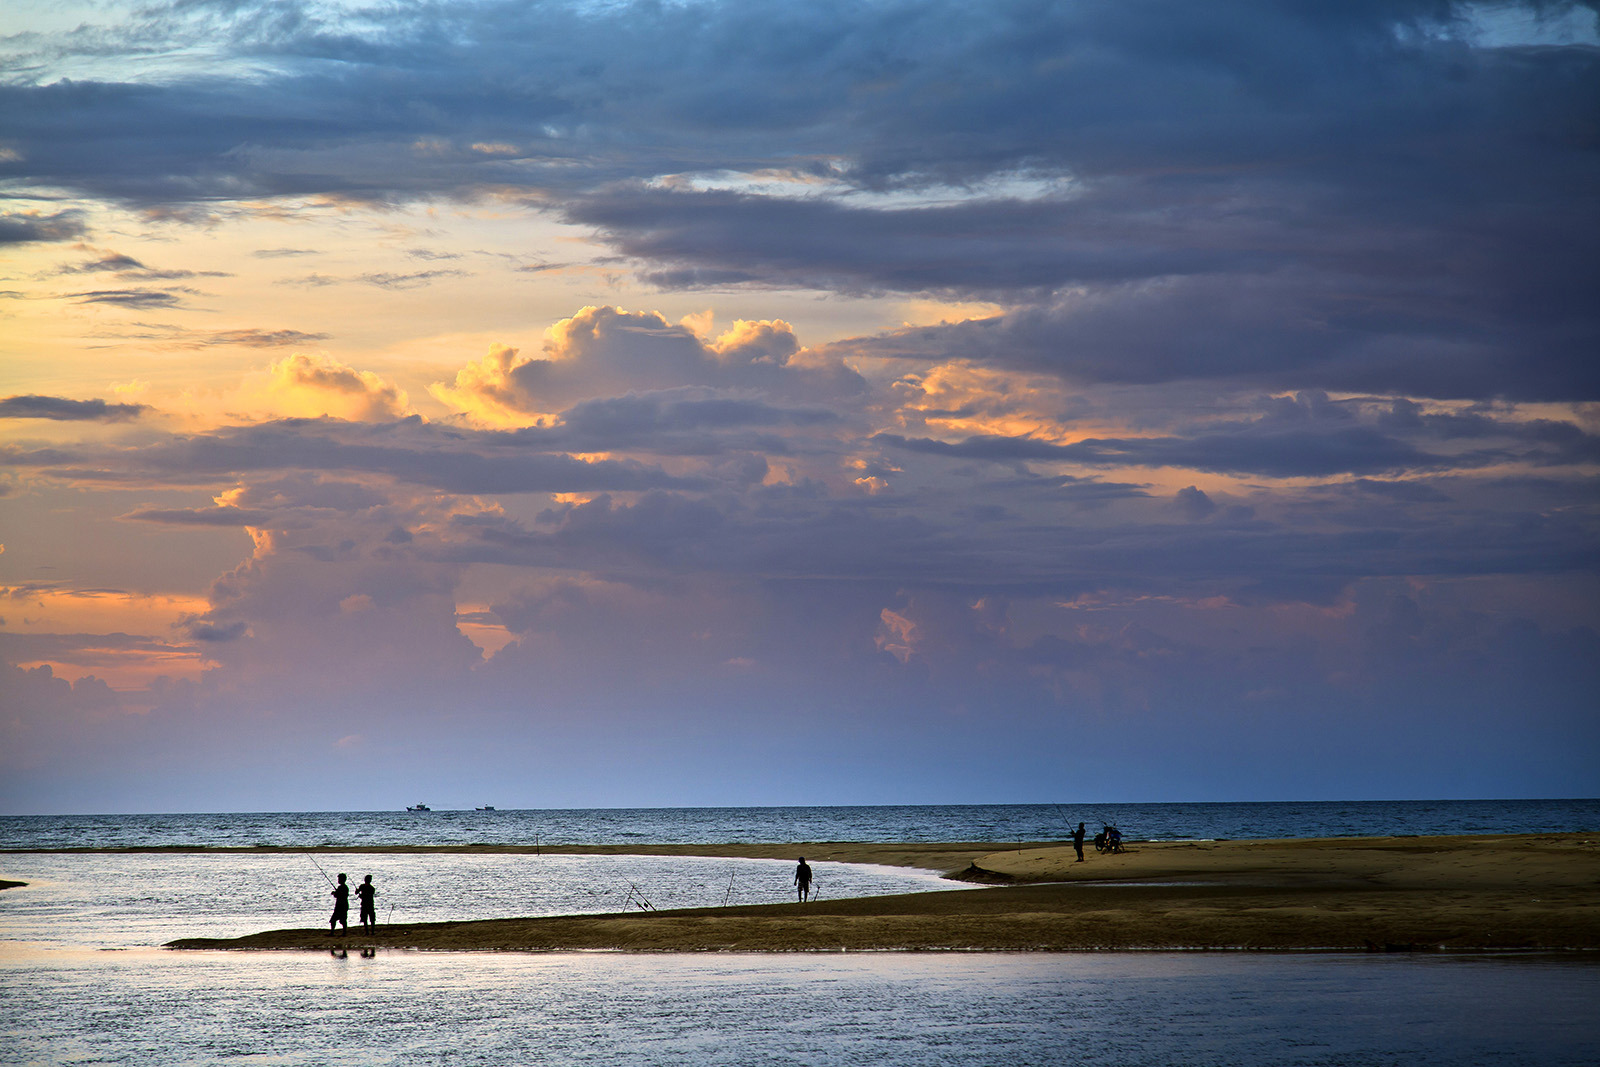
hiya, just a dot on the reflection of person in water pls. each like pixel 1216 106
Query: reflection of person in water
pixel 802 879
pixel 367 893
pixel 341 906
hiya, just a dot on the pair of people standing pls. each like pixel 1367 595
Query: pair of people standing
pixel 367 893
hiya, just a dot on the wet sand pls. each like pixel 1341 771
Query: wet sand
pixel 1492 892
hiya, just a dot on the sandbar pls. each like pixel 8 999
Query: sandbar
pixel 1460 893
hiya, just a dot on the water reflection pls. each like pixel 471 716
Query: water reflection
pixel 905 1009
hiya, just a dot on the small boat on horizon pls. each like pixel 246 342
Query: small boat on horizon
pixel 418 807
pixel 486 807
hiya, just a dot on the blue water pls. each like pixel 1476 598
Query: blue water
pixel 119 900
pixel 82 981
pixel 984 822
pixel 909 1010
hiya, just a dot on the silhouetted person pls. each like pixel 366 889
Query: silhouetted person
pixel 802 879
pixel 367 893
pixel 341 907
pixel 1077 841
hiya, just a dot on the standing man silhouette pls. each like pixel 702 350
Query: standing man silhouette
pixel 1077 841
pixel 341 907
pixel 367 893
pixel 802 880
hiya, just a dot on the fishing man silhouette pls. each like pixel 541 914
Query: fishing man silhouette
pixel 367 893
pixel 341 907
pixel 802 879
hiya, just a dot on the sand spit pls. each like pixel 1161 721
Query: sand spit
pixel 1492 892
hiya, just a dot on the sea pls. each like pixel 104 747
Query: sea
pixel 84 979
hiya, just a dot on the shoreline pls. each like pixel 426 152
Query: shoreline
pixel 1527 892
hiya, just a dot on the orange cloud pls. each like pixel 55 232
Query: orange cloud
pixel 313 386
pixel 487 392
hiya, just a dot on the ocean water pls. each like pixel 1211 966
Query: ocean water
pixel 83 981
pixel 952 822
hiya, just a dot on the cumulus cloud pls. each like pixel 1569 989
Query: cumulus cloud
pixel 606 351
pixel 314 386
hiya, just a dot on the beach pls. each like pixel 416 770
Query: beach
pixel 1453 893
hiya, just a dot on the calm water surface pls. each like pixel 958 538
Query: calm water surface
pixel 1161 1009
pixel 81 981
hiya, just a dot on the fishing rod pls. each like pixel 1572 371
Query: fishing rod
pixel 320 871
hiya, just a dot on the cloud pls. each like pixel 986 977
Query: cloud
pixel 1380 199
pixel 606 351
pixel 200 631
pixel 314 386
pixel 256 338
pixel 412 280
pixel 111 261
pixel 1282 454
pixel 126 266
pixel 217 516
pixel 409 451
pixel 1194 503
pixel 62 409
pixel 1304 436
pixel 21 227
pixel 1273 433
pixel 132 299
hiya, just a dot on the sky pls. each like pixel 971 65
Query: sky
pixel 598 404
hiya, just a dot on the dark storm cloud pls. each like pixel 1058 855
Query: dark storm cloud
pixel 64 410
